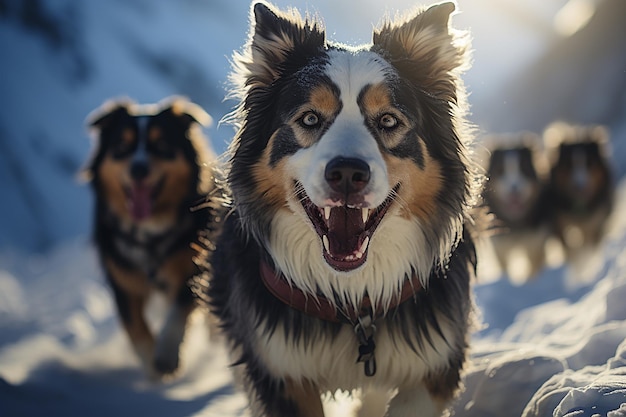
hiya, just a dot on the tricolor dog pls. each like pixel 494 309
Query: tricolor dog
pixel 344 261
pixel 516 193
pixel 151 165
pixel 581 183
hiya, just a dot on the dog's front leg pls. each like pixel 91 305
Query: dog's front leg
pixel 415 402
pixel 167 350
pixel 306 397
pixel 286 399
pixel 130 308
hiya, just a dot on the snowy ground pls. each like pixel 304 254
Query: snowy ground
pixel 555 346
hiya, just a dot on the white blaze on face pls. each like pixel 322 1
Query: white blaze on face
pixel 348 136
pixel 512 177
pixel 513 187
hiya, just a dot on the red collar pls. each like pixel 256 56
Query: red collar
pixel 321 307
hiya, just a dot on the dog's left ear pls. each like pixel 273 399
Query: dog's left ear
pixel 599 134
pixel 279 42
pixel 425 49
pixel 186 111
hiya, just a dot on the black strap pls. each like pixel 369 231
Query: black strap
pixel 365 329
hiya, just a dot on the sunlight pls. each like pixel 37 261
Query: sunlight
pixel 573 16
pixel 519 267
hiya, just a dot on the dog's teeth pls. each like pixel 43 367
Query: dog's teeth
pixel 365 214
pixel 363 247
pixel 326 243
pixel 326 212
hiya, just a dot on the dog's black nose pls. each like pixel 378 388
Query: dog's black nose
pixel 347 175
pixel 139 170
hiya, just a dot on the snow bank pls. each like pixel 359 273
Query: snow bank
pixel 563 357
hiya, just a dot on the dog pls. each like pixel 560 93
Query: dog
pixel 581 184
pixel 345 259
pixel 151 165
pixel 516 194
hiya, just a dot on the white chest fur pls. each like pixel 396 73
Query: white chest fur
pixel 331 361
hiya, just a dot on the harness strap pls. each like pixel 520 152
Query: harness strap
pixel 361 317
pixel 319 306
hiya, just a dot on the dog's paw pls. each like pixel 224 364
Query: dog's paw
pixel 166 363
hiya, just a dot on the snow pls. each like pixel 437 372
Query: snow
pixel 553 346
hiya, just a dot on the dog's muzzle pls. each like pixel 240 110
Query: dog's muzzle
pixel 346 226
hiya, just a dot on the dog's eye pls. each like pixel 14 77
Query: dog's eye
pixel 123 149
pixel 310 119
pixel 162 150
pixel 387 121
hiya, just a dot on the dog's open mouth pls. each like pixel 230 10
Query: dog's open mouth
pixel 345 231
pixel 140 198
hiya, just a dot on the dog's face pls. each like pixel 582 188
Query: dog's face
pixel 580 169
pixel 342 150
pixel 145 164
pixel 514 185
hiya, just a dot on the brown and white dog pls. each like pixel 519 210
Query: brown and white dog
pixel 150 166
pixel 581 184
pixel 345 261
pixel 516 194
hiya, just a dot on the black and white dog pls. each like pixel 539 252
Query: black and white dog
pixel 345 260
pixel 516 195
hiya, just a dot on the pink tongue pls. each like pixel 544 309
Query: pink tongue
pixel 140 202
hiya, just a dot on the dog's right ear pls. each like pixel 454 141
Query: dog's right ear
pixel 108 113
pixel 98 120
pixel 279 42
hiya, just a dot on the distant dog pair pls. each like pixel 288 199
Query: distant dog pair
pixel 560 186
pixel 345 259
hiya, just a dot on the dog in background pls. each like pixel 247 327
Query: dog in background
pixel 151 165
pixel 581 184
pixel 516 195
pixel 345 260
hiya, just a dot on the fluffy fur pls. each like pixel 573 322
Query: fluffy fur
pixel 581 184
pixel 516 195
pixel 150 166
pixel 349 176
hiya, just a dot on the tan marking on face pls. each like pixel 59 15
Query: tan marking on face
pixel 128 135
pixel 376 98
pixel 598 177
pixel 155 133
pixel 420 187
pixel 376 102
pixel 272 183
pixel 322 101
pixel 177 174
pixel 113 175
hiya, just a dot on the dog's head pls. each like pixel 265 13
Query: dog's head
pixel 516 176
pixel 580 168
pixel 148 159
pixel 344 154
